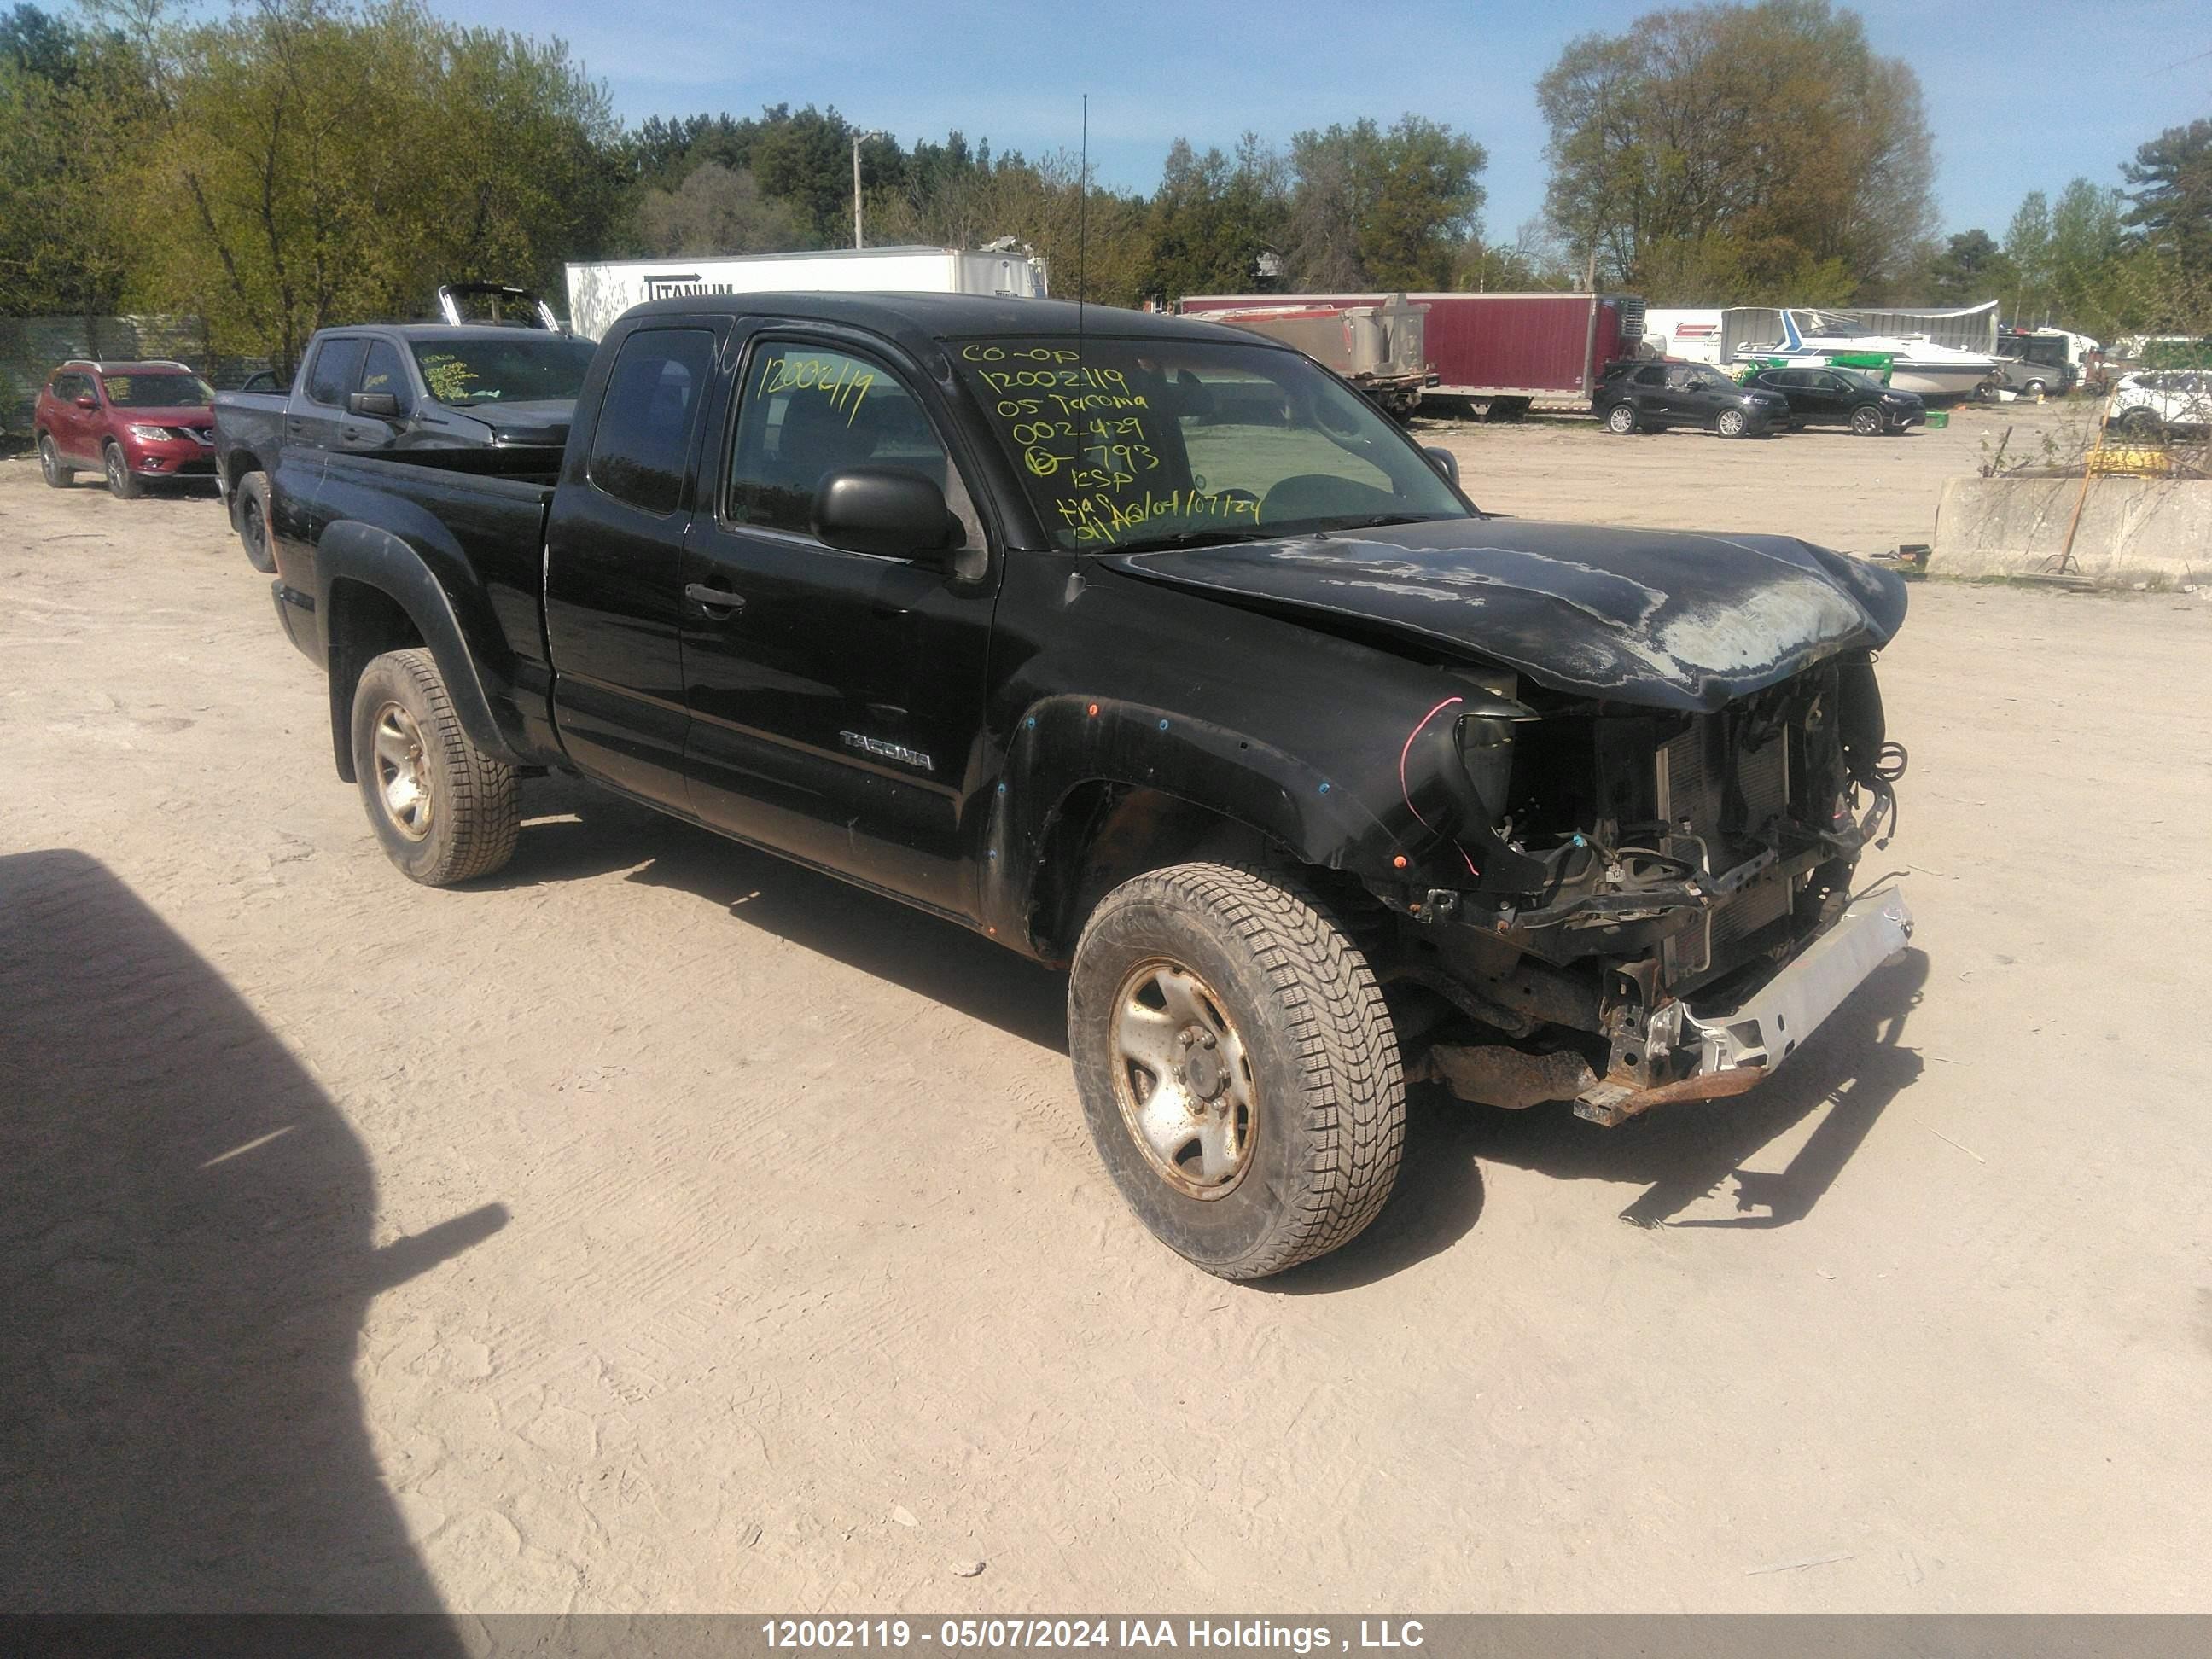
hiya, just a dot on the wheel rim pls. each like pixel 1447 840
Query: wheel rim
pixel 1183 1079
pixel 256 531
pixel 1731 422
pixel 115 471
pixel 49 463
pixel 1867 421
pixel 1620 419
pixel 403 774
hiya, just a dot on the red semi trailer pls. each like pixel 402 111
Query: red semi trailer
pixel 1505 351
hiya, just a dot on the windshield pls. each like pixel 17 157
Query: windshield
pixel 1146 442
pixel 524 369
pixel 166 391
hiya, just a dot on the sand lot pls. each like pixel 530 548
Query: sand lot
pixel 657 1226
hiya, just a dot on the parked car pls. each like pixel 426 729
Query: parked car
pixel 1647 397
pixel 130 421
pixel 2030 379
pixel 400 386
pixel 1315 777
pixel 1843 396
pixel 2158 402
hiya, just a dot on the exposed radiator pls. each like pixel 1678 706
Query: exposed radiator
pixel 1692 789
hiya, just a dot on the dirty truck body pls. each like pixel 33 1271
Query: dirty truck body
pixel 1318 779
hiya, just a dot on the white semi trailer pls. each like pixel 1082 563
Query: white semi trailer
pixel 601 291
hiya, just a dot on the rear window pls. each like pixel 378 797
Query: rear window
pixel 642 440
pixel 169 391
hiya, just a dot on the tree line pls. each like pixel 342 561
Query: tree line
pixel 299 162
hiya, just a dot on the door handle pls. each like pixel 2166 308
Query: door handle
pixel 714 599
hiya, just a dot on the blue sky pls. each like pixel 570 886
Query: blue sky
pixel 2021 95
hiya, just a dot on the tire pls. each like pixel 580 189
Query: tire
pixel 1731 424
pixel 254 522
pixel 2143 424
pixel 1867 422
pixel 1621 419
pixel 461 816
pixel 1300 1082
pixel 122 482
pixel 57 476
pixel 2037 389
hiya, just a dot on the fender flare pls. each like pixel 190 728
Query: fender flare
pixel 1062 742
pixel 349 551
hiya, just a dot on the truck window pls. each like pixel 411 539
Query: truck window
pixel 384 371
pixel 807 412
pixel 330 377
pixel 643 435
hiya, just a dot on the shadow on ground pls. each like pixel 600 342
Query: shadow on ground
pixel 185 1259
pixel 1855 1065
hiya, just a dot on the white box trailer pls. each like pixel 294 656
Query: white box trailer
pixel 601 291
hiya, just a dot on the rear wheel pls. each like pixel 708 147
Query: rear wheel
pixel 122 482
pixel 1731 424
pixel 254 522
pixel 1866 421
pixel 1620 418
pixel 2143 424
pixel 444 811
pixel 1238 1066
pixel 2037 389
pixel 57 476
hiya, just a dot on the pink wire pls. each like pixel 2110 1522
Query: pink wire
pixel 1406 790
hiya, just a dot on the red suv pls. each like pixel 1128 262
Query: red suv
pixel 132 421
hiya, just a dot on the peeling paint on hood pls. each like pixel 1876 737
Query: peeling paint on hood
pixel 1671 619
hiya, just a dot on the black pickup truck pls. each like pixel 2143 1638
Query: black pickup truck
pixel 1147 647
pixel 395 387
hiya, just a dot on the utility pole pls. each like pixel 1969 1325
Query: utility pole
pixel 859 138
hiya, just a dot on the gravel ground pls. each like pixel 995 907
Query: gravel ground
pixel 657 1226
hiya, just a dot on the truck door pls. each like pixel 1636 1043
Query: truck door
pixel 836 698
pixel 613 564
pixel 313 415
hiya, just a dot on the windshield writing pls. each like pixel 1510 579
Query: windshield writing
pixel 522 370
pixel 1125 443
pixel 158 391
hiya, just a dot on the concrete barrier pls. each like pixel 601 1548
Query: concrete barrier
pixel 2157 531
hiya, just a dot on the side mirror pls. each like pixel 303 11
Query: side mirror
pixel 1444 462
pixel 382 404
pixel 86 400
pixel 885 510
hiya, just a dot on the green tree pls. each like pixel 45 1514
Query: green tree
pixel 2171 189
pixel 2027 250
pixel 1740 153
pixel 1971 268
pixel 1371 208
pixel 716 210
pixel 1213 218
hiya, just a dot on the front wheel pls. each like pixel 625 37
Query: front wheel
pixel 122 482
pixel 254 522
pixel 1238 1066
pixel 2141 424
pixel 1620 418
pixel 1731 424
pixel 1866 421
pixel 57 476
pixel 444 811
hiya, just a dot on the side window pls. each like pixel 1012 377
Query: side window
pixel 330 377
pixel 1655 375
pixel 643 437
pixel 384 371
pixel 1682 380
pixel 806 412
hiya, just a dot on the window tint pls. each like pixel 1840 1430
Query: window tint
pixel 161 391
pixel 1652 376
pixel 643 436
pixel 331 376
pixel 384 371
pixel 809 412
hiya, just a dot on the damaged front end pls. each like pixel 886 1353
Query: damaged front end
pixel 1660 905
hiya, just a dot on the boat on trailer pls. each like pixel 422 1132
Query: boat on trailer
pixel 1814 339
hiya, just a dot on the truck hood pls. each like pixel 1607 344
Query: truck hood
pixel 1668 619
pixel 545 422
